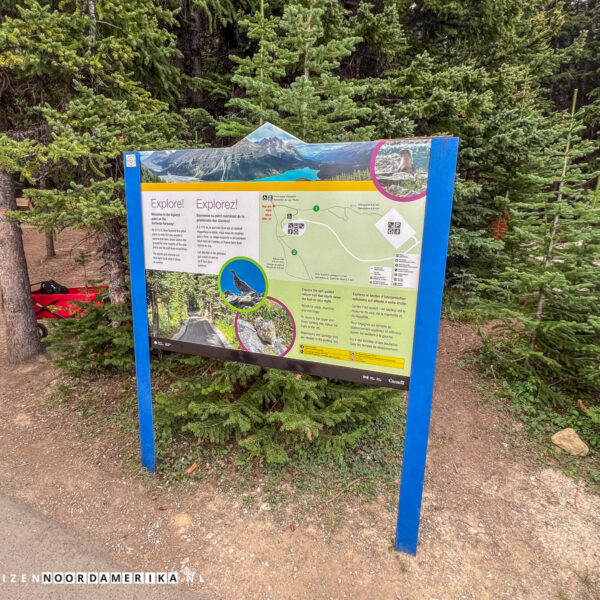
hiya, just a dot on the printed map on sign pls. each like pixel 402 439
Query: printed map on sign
pixel 293 236
pixel 288 254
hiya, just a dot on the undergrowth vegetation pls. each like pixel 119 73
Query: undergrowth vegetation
pixel 271 415
pixel 352 456
pixel 541 421
pixel 274 415
pixel 517 82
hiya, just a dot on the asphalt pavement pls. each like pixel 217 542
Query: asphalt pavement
pixel 199 331
pixel 31 544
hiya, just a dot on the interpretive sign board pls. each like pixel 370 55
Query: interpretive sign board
pixel 326 259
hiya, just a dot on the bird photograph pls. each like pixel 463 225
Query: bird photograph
pixel 243 284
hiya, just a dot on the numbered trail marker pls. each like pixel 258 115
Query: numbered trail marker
pixel 326 259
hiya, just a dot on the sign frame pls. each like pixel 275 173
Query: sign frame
pixel 442 169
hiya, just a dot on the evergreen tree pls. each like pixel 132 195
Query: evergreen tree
pixel 290 80
pixel 582 71
pixel 548 289
pixel 95 55
pixel 318 105
pixel 256 75
pixel 474 71
pixel 83 80
pixel 273 414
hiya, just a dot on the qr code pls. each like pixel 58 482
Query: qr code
pixel 295 228
pixel 394 227
pixel 130 160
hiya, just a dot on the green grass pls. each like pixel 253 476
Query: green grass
pixel 460 310
pixel 314 483
pixel 540 421
pixel 228 330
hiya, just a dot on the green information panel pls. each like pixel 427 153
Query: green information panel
pixel 287 254
pixel 326 259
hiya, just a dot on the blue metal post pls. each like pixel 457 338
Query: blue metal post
pixel 442 168
pixel 133 194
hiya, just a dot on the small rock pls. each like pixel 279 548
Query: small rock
pixel 264 506
pixel 568 440
pixel 243 301
pixel 181 521
pixel 187 572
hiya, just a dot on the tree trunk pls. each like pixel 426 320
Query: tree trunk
pixel 539 313
pixel 262 71
pixel 91 9
pixel 155 314
pixel 50 251
pixel 15 293
pixel 112 252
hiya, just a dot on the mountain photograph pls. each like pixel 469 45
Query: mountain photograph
pixel 269 153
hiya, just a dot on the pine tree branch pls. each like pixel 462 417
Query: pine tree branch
pixel 551 243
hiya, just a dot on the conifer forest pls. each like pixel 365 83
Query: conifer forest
pixel 82 81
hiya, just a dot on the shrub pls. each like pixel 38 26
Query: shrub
pixel 98 342
pixel 271 413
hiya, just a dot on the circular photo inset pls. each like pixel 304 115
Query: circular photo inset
pixel 399 169
pixel 269 330
pixel 242 284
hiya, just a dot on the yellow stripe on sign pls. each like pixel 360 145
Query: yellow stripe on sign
pixel 261 186
pixel 325 352
pixel 360 357
pixel 378 359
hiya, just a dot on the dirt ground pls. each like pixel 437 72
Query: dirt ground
pixel 62 268
pixel 494 524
